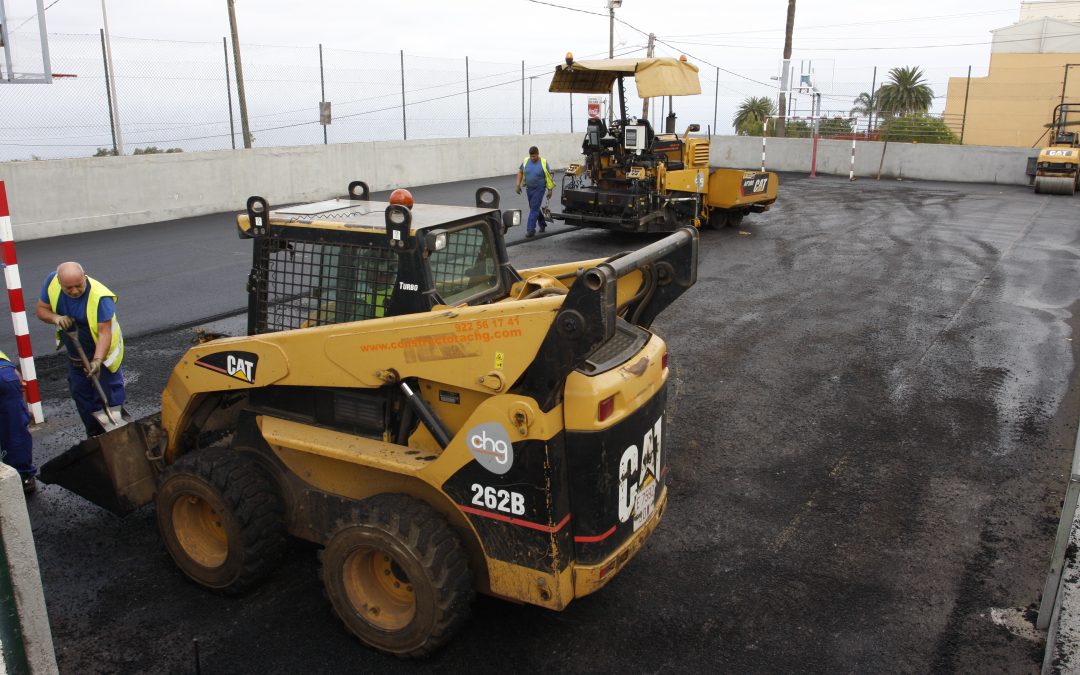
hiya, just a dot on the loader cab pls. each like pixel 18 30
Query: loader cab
pixel 353 259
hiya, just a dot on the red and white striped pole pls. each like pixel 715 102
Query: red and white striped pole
pixel 762 150
pixel 18 309
pixel 851 171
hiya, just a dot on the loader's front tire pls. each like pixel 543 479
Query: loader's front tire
pixel 398 576
pixel 220 517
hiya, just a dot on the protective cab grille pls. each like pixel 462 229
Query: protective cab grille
pixel 301 284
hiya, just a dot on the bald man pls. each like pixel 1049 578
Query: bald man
pixel 72 300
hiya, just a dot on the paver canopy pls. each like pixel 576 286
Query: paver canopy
pixel 661 76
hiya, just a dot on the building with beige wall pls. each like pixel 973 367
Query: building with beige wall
pixel 1062 10
pixel 1034 65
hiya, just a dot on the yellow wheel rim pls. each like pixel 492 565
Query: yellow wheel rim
pixel 378 589
pixel 200 531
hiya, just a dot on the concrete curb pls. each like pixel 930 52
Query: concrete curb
pixel 24 600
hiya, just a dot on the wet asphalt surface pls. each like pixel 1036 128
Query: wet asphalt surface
pixel 871 410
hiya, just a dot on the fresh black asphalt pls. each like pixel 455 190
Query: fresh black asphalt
pixel 872 408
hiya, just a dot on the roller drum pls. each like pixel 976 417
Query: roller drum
pixel 1055 185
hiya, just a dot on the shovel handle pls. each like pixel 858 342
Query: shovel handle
pixel 73 338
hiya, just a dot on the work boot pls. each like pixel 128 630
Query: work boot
pixel 29 485
pixel 530 234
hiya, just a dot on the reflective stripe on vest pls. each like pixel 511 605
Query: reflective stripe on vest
pixel 550 184
pixel 97 291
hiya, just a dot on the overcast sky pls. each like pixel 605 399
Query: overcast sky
pixel 744 39
pixel 738 46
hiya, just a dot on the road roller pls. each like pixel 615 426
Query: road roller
pixel 1056 169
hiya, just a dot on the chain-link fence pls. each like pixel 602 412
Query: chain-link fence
pixel 174 95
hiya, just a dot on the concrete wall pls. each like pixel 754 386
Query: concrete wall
pixel 55 197
pixel 33 652
pixel 959 163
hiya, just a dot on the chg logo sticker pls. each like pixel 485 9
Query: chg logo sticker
pixel 490 445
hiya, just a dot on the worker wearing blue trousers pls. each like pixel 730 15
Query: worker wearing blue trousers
pixel 71 300
pixel 536 174
pixel 16 445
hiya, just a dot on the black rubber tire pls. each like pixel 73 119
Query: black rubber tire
pixel 220 516
pixel 424 592
pixel 717 219
pixel 734 218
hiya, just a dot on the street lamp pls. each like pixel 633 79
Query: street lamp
pixel 531 78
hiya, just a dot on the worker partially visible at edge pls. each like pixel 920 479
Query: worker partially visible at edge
pixel 72 300
pixel 536 173
pixel 16 444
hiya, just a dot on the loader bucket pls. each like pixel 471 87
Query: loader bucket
pixel 111 470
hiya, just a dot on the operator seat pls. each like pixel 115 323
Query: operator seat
pixel 595 131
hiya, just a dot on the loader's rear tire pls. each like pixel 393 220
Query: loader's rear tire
pixel 220 516
pixel 398 576
pixel 734 218
pixel 717 219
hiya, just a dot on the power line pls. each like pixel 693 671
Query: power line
pixel 862 23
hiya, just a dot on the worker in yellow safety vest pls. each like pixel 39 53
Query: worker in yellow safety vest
pixel 536 174
pixel 73 301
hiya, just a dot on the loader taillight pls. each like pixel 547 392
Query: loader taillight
pixel 606 407
pixel 663 361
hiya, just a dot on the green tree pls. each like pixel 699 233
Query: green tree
pixel 799 129
pixel 834 126
pixel 752 116
pixel 155 150
pixel 905 93
pixel 866 104
pixel 917 128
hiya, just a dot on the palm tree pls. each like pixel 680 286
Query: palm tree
pixel 866 104
pixel 752 115
pixel 906 92
pixel 787 59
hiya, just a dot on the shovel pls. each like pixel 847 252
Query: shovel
pixel 109 417
pixel 546 209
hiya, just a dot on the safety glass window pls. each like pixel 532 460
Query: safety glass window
pixel 466 269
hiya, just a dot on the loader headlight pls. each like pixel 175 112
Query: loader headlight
pixel 511 218
pixel 436 240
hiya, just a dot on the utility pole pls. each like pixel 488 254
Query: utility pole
pixel 239 76
pixel 114 107
pixel 649 54
pixel 611 5
pixel 784 81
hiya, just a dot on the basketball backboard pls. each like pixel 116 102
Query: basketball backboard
pixel 24 43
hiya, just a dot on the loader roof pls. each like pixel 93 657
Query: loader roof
pixel 350 214
pixel 660 76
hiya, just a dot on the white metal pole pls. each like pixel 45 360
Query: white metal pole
pixel 44 42
pixel 112 82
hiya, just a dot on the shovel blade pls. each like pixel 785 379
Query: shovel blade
pixel 114 418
